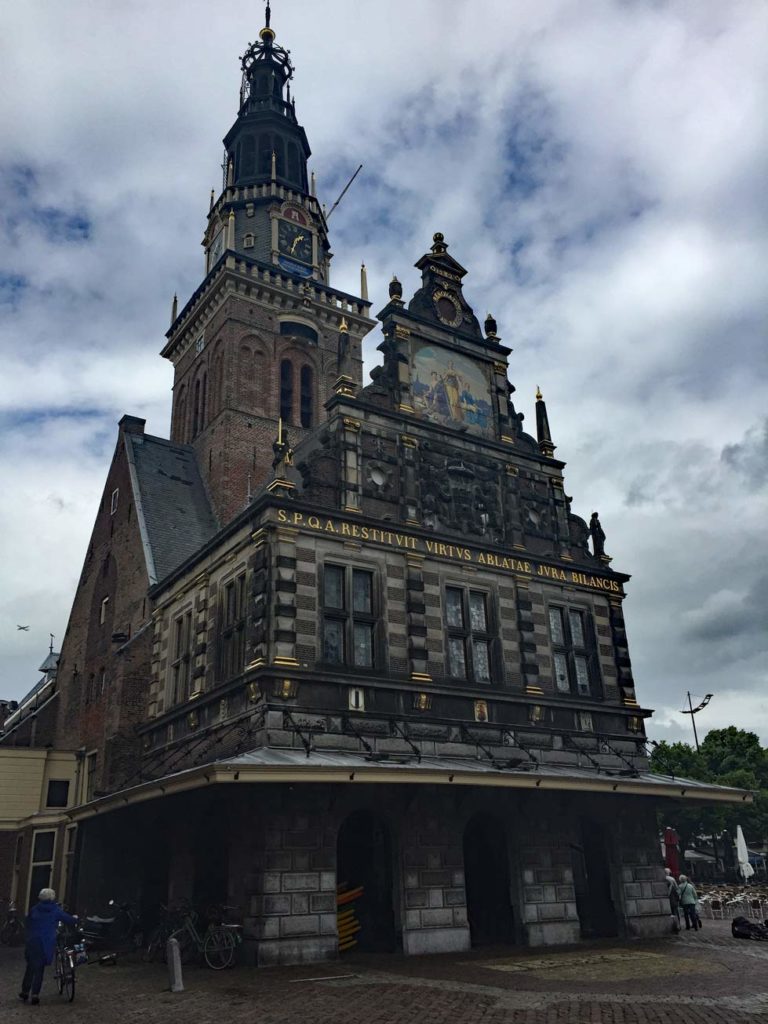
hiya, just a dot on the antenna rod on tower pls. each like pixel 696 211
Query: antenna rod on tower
pixel 343 191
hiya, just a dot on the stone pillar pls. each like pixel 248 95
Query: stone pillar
pixel 549 909
pixel 293 902
pixel 416 618
pixel 434 900
pixel 257 619
pixel 352 452
pixel 644 891
pixel 284 588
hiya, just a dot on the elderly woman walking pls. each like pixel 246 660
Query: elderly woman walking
pixel 688 900
pixel 42 922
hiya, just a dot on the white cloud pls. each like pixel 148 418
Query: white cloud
pixel 598 168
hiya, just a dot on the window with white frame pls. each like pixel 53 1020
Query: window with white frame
pixel 349 616
pixel 570 631
pixel 468 634
pixel 181 664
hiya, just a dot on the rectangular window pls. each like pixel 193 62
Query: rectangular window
pixel 469 637
pixel 233 628
pixel 349 616
pixel 181 666
pixel 58 793
pixel 41 865
pixel 91 763
pixel 575 664
pixel 113 502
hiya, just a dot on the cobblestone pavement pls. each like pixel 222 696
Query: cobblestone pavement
pixel 697 978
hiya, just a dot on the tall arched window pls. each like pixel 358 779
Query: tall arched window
pixel 220 388
pixel 286 390
pixel 247 156
pixel 181 416
pixel 196 410
pixel 306 396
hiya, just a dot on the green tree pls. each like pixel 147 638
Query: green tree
pixel 728 757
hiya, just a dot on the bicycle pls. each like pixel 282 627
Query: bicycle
pixel 66 960
pixel 216 945
pixel 171 920
pixel 12 931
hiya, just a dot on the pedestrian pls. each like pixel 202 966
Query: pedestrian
pixel 42 922
pixel 673 893
pixel 688 901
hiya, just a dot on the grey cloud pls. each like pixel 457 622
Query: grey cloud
pixel 598 170
pixel 749 457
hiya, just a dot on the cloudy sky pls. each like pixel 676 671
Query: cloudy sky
pixel 599 167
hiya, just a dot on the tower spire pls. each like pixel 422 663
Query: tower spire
pixel 543 434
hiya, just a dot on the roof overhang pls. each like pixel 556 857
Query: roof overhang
pixel 271 766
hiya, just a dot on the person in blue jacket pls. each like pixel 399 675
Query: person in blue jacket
pixel 42 922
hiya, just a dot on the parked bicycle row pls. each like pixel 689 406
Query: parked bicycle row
pixel 53 936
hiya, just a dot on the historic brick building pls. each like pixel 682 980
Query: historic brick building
pixel 335 636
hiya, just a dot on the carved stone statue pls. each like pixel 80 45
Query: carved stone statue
pixel 598 536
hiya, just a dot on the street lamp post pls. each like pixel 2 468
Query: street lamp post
pixel 693 711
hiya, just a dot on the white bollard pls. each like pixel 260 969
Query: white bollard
pixel 173 955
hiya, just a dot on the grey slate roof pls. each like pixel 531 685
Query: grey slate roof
pixel 172 506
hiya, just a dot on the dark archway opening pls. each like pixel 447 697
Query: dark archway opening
pixel 364 876
pixel 592 882
pixel 486 875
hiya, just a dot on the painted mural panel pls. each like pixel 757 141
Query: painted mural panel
pixel 451 390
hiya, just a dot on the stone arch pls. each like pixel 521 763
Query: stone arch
pixel 365 878
pixel 215 398
pixel 298 358
pixel 307 395
pixel 180 425
pixel 487 880
pixel 250 383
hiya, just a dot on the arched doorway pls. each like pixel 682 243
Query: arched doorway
pixel 486 876
pixel 592 883
pixel 364 878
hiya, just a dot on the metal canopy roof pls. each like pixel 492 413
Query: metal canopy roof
pixel 271 765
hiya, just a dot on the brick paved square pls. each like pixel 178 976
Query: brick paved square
pixel 707 978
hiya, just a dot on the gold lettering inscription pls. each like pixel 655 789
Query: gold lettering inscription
pixel 518 567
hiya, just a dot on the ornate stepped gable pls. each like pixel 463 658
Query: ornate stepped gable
pixel 469 469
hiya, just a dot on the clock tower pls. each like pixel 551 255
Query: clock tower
pixel 264 337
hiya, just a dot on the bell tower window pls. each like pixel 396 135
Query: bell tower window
pixel 247 156
pixel 196 410
pixel 306 396
pixel 286 390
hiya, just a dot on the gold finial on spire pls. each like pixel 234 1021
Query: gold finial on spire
pixel 539 395
pixel 344 326
pixel 267 30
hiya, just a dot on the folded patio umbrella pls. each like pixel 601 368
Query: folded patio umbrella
pixel 742 855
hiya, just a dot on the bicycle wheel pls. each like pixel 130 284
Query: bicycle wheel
pixel 58 971
pixel 188 948
pixel 12 933
pixel 155 947
pixel 68 987
pixel 219 948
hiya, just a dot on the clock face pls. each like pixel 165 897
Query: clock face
pixel 294 240
pixel 447 308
